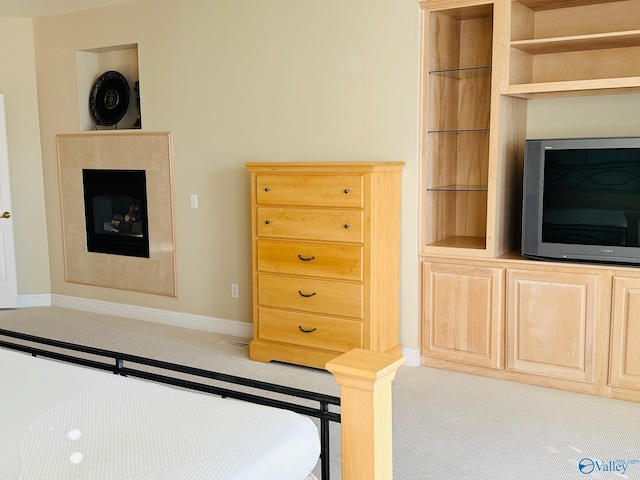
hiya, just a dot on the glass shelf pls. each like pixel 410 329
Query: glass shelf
pixel 463 73
pixel 459 188
pixel 463 130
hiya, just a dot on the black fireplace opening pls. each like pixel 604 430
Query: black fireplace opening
pixel 115 204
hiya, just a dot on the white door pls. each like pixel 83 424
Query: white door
pixel 8 277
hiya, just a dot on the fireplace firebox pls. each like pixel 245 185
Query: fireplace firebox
pixel 115 203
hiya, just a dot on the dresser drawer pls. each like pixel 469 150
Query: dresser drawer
pixel 328 260
pixel 310 190
pixel 307 330
pixel 313 295
pixel 310 223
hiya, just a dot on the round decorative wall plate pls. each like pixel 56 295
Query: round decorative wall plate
pixel 109 98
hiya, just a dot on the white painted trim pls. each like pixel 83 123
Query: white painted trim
pixel 34 300
pixel 411 357
pixel 177 319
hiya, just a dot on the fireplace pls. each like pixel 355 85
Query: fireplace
pixel 115 204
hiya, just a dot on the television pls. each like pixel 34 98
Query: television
pixel 581 200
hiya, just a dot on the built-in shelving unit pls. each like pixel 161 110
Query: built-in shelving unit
pixel 484 308
pixel 559 47
pixel 458 88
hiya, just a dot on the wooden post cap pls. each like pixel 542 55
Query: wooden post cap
pixel 364 369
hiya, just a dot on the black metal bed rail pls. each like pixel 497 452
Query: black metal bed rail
pixel 322 412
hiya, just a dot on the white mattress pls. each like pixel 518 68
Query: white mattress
pixel 62 422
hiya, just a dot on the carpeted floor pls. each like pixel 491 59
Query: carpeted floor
pixel 446 425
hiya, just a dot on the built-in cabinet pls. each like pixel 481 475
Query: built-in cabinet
pixel 624 368
pixel 326 259
pixel 484 308
pixel 463 313
pixel 566 326
pixel 551 323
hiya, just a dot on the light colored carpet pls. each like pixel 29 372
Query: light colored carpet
pixel 446 425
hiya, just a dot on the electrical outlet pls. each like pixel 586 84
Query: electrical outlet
pixel 194 201
pixel 234 290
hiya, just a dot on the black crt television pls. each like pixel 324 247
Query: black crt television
pixel 581 200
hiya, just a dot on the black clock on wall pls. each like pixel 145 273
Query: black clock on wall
pixel 109 98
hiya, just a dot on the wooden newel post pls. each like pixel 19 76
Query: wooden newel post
pixel 365 405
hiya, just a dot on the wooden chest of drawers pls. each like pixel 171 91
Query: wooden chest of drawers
pixel 326 259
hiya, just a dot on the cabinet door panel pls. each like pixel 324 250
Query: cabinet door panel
pixel 463 312
pixel 625 335
pixel 551 323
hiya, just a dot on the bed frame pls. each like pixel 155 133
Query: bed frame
pixel 365 408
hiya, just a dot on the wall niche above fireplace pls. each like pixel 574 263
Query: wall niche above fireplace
pixel 120 173
pixel 95 62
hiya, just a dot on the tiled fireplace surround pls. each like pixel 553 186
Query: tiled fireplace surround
pixel 150 152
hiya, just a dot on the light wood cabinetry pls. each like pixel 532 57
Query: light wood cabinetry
pixel 540 323
pixel 485 310
pixel 551 323
pixel 467 165
pixel 624 368
pixel 463 313
pixel 560 46
pixel 326 250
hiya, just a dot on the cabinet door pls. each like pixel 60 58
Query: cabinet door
pixel 551 323
pixel 463 313
pixel 625 336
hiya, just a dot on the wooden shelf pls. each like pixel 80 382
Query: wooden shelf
pixel 466 12
pixel 573 46
pixel 577 43
pixel 461 242
pixel 575 86
pixel 538 5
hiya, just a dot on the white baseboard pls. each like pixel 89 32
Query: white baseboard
pixel 36 300
pixel 166 317
pixel 184 320
pixel 411 357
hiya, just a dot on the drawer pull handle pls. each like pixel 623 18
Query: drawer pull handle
pixel 306 331
pixel 306 259
pixel 346 225
pixel 306 295
pixel 346 190
pixel 267 222
pixel 266 189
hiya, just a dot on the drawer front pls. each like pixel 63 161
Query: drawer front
pixel 310 190
pixel 328 260
pixel 313 331
pixel 312 295
pixel 311 224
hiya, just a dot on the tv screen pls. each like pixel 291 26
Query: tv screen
pixel 582 199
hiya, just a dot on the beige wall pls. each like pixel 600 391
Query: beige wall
pixel 18 83
pixel 233 81
pixel 605 116
pixel 334 80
